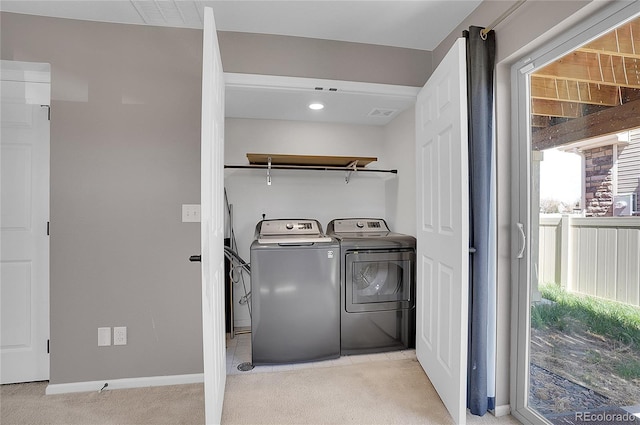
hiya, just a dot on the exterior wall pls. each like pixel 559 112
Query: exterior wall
pixel 629 168
pixel 599 181
pixel 609 171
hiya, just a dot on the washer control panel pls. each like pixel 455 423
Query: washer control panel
pixel 290 232
pixel 289 227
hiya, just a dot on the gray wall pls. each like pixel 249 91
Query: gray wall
pixel 125 154
pixel 333 60
pixel 399 152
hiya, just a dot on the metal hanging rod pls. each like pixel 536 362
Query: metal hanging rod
pixel 308 167
pixel 492 25
pixel 349 169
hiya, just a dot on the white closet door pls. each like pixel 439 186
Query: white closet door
pixel 212 222
pixel 443 230
pixel 24 247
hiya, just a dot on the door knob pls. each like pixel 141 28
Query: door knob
pixel 195 258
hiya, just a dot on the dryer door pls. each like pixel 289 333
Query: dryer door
pixel 379 280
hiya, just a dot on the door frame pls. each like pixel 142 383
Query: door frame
pixel 595 25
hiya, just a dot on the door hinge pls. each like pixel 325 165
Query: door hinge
pixel 48 111
pixel 48 346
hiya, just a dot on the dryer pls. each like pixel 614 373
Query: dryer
pixel 295 302
pixel 377 277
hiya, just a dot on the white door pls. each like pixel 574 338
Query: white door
pixel 212 222
pixel 443 230
pixel 24 205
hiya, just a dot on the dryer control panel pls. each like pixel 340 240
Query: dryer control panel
pixel 351 225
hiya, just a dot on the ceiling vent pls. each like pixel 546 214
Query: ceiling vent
pixel 382 113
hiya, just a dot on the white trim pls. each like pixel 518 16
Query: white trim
pixel 503 410
pixel 597 142
pixel 122 383
pixel 26 82
pixel 297 83
pixel 32 72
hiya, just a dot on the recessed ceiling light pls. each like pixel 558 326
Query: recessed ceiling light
pixel 316 106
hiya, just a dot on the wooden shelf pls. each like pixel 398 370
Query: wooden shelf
pixel 310 160
pixel 348 164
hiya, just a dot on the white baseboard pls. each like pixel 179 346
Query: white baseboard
pixel 503 410
pixel 117 384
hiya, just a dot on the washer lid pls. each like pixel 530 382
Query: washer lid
pixel 290 231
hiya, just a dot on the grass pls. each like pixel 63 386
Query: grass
pixel 616 321
pixel 548 316
pixel 628 369
pixel 619 323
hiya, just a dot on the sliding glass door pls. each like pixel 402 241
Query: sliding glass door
pixel 576 226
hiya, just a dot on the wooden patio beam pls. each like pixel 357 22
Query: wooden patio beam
pixel 609 121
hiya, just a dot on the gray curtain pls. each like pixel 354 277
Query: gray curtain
pixel 480 70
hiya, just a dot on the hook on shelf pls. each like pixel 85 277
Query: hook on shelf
pixel 350 169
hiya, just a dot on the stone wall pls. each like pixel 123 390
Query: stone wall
pixel 598 181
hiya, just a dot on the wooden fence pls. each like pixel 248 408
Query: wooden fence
pixel 592 256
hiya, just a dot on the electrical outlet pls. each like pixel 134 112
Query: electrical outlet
pixel 104 337
pixel 120 335
pixel 190 213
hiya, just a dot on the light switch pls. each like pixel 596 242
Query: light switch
pixel 191 213
pixel 104 337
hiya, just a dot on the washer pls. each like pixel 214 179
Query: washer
pixel 295 287
pixel 377 278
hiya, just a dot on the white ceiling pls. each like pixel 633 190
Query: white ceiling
pixel 416 24
pixel 287 98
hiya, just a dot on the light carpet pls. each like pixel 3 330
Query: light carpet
pixel 27 404
pixel 381 392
